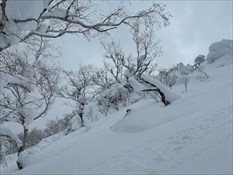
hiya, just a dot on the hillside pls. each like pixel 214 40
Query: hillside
pixel 192 135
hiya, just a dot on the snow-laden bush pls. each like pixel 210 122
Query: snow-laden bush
pixel 108 101
pixel 219 49
pixel 56 126
pixel 34 137
pixel 112 99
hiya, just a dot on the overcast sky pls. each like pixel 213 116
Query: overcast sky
pixel 194 26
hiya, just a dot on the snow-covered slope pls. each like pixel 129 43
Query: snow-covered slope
pixel 192 135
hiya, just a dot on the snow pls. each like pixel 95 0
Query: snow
pixel 56 12
pixel 193 135
pixel 24 9
pixel 20 10
pixel 38 64
pixel 138 87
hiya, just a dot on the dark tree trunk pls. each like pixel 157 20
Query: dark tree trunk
pixel 81 117
pixel 80 114
pixel 18 162
pixel 163 98
pixel 186 87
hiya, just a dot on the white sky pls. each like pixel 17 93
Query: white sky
pixel 194 26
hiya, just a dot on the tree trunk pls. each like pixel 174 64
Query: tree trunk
pixel 186 87
pixel 22 148
pixel 81 117
pixel 163 98
pixel 18 162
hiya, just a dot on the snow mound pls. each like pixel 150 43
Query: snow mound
pixel 220 49
pixel 132 123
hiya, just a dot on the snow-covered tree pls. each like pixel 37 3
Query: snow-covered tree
pixel 168 76
pixel 107 101
pixel 30 88
pixel 199 59
pixel 20 20
pixel 220 49
pixel 202 75
pixel 162 76
pixel 184 69
pixel 171 80
pixel 128 68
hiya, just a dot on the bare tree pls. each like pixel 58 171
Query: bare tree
pixel 184 80
pixel 115 57
pixel 54 18
pixel 78 91
pixel 102 80
pixel 147 49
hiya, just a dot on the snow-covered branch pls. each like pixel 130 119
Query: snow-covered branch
pixel 54 18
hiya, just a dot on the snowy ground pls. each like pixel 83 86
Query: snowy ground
pixel 192 135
